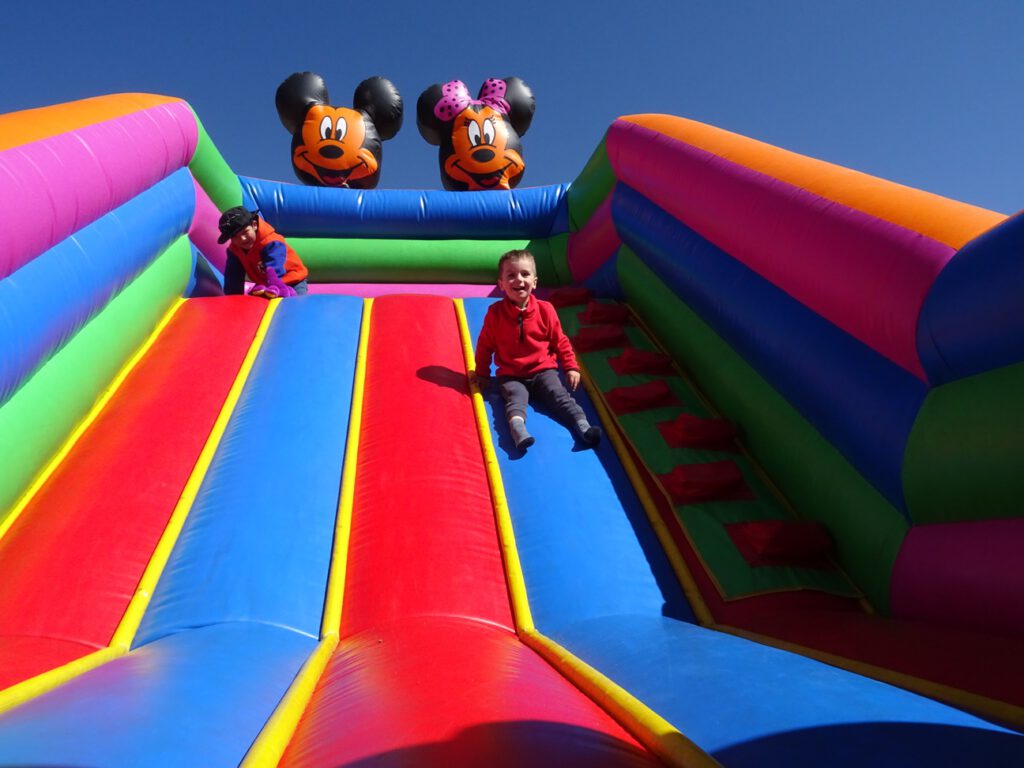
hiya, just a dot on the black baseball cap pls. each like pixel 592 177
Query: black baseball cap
pixel 233 221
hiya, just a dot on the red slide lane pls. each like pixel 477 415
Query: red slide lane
pixel 429 671
pixel 72 560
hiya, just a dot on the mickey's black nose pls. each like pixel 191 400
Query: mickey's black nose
pixel 483 155
pixel 331 152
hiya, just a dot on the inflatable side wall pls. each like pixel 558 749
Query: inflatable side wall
pixel 863 333
pixel 98 203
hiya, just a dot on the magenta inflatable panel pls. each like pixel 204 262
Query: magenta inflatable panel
pixel 51 188
pixel 966 573
pixel 594 244
pixel 203 232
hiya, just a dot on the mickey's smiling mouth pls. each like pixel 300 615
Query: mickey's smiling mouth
pixel 331 177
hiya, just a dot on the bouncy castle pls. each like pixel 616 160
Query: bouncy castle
pixel 239 531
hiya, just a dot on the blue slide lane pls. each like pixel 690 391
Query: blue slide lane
pixel 238 608
pixel 196 698
pixel 599 584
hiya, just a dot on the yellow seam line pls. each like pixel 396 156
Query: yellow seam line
pixel 513 568
pixel 93 414
pixel 335 597
pixel 121 640
pixel 271 743
pixel 650 729
pixel 668 544
pixel 1001 711
pixel 129 625
pixel 36 686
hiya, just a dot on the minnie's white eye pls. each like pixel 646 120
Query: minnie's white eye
pixel 474 134
pixel 489 131
pixel 326 127
pixel 342 129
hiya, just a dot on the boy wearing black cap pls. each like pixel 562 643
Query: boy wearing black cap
pixel 256 251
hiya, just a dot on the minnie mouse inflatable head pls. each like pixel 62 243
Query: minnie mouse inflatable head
pixel 478 138
pixel 338 146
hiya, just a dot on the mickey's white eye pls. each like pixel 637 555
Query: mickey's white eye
pixel 325 128
pixel 489 131
pixel 342 129
pixel 474 134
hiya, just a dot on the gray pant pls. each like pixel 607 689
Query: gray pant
pixel 547 387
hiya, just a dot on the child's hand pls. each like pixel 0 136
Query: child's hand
pixel 573 378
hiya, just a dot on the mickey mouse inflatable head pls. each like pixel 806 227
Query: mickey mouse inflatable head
pixel 338 146
pixel 478 138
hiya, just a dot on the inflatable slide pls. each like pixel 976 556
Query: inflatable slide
pixel 239 531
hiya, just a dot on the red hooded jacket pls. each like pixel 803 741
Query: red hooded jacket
pixel 525 348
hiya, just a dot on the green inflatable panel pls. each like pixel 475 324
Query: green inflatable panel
pixel 552 257
pixel 705 523
pixel 812 475
pixel 209 168
pixel 363 260
pixel 35 422
pixel 965 456
pixel 590 188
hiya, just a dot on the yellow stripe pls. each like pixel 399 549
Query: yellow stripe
pixel 1001 711
pixel 339 557
pixel 277 733
pixel 682 571
pixel 126 630
pixel 121 641
pixel 651 730
pixel 40 684
pixel 273 740
pixel 513 568
pixel 97 408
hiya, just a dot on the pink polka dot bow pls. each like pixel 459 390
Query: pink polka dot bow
pixel 455 98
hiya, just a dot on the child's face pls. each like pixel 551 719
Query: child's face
pixel 244 238
pixel 518 279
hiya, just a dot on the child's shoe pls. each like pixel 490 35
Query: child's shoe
pixel 588 434
pixel 520 436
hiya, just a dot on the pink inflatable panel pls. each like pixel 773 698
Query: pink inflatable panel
pixel 866 275
pixel 967 574
pixel 204 231
pixel 594 244
pixel 51 188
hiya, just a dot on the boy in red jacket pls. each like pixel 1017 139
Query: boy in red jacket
pixel 524 336
pixel 256 251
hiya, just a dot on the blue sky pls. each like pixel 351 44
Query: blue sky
pixel 929 94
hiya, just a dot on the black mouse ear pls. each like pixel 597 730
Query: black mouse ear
pixel 432 128
pixel 521 104
pixel 379 98
pixel 296 95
